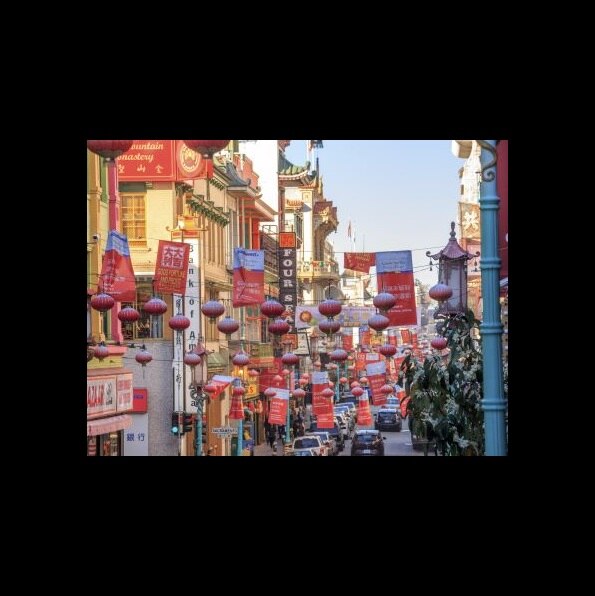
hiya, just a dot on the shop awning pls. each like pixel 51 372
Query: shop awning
pixel 216 360
pixel 108 425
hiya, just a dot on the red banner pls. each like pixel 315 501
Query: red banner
pixel 319 402
pixel 364 416
pixel 171 268
pixel 220 382
pixel 403 406
pixel 278 407
pixel 326 419
pixel 364 336
pixel 347 342
pixel 395 275
pixel 248 277
pixel 140 399
pixel 117 275
pixel 406 336
pixel 375 382
pixel 359 261
pixel 147 160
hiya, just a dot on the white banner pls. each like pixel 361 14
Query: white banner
pixel 101 396
pixel 136 436
pixel 192 311
pixel 319 378
pixel 376 368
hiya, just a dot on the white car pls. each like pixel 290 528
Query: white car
pixel 310 442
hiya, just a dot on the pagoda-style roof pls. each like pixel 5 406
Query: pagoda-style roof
pixel 289 171
pixel 453 249
pixel 234 176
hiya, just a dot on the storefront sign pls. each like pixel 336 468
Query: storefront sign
pixel 191 311
pixel 287 240
pixel 147 160
pixel 171 269
pixel 124 386
pixel 140 399
pixel 136 436
pixel 190 164
pixel 101 396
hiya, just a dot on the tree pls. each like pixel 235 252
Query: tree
pixel 446 391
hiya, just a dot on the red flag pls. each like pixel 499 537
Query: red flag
pixel 359 261
pixel 248 277
pixel 117 275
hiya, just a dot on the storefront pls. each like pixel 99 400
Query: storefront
pixel 109 396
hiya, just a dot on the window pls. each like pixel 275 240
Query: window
pixel 146 327
pixel 134 218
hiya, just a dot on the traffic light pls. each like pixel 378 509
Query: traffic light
pixel 204 430
pixel 175 423
pixel 188 421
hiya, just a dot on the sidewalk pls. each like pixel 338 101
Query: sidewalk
pixel 265 449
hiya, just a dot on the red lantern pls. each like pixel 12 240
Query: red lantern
pixel 329 308
pixel 384 301
pixel 271 309
pixel 328 392
pixel 228 325
pixel 102 302
pixel 354 384
pixel 386 389
pixel 270 392
pixel 192 359
pixel 212 309
pixel 388 350
pixel 364 380
pixel 253 373
pixel 440 292
pixel 439 343
pixel 328 326
pixel 285 372
pixel 101 351
pixel 338 355
pixel 155 306
pixel 278 327
pixel 290 359
pixel 357 391
pixel 179 322
pixel 128 315
pixel 378 322
pixel 143 357
pixel 343 380
pixel 236 411
pixel 238 391
pixel 109 149
pixel 277 379
pixel 303 382
pixel 299 393
pixel 240 358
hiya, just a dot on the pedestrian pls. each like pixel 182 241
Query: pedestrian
pixel 272 436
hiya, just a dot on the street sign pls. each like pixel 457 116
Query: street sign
pixel 224 431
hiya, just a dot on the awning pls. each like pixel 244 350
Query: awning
pixel 108 425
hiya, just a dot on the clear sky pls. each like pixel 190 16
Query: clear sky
pixel 398 195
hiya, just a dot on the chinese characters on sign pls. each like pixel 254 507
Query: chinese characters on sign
pixel 171 267
pixel 147 160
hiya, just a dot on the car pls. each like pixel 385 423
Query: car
pixel 367 442
pixel 334 432
pixel 310 442
pixel 392 402
pixel 327 440
pixel 388 419
pixel 302 452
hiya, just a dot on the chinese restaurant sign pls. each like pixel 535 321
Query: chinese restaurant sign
pixel 171 268
pixel 147 160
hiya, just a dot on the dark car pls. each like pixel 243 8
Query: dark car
pixel 367 442
pixel 388 420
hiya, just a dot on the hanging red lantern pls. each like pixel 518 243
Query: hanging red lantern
pixel 192 359
pixel 384 301
pixel 351 367
pixel 364 380
pixel 386 389
pixel 129 315
pixel 278 327
pixel 338 355
pixel 439 343
pixel 355 384
pixel 388 350
pixel 329 326
pixel 303 382
pixel 240 358
pixel 343 380
pixel 270 392
pixel 277 379
pixel 238 390
pixel 101 351
pixel 328 392
pixel 236 410
pixel 179 322
pixel 143 357
pixel 155 306
pixel 109 149
pixel 271 309
pixel 285 372
pixel 329 308
pixel 102 302
pixel 378 322
pixel 440 292
pixel 299 393
pixel 290 359
pixel 357 391
pixel 228 326
pixel 212 309
pixel 253 373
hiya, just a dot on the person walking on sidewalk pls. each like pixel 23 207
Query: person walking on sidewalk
pixel 272 436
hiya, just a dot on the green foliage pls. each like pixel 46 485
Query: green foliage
pixel 446 392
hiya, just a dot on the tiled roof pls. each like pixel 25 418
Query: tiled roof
pixel 286 168
pixel 452 250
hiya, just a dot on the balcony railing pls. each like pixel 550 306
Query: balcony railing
pixel 318 269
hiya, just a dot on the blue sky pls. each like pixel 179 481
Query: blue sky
pixel 398 195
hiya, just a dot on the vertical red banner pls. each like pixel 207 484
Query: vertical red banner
pixel 364 416
pixel 278 407
pixel 375 382
pixel 248 277
pixel 347 342
pixel 395 275
pixel 117 275
pixel 171 268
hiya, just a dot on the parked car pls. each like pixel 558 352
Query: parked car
pixel 388 419
pixel 392 402
pixel 310 442
pixel 367 442
pixel 327 440
pixel 303 452
pixel 334 432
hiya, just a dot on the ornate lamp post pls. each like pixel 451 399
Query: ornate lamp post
pixel 493 402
